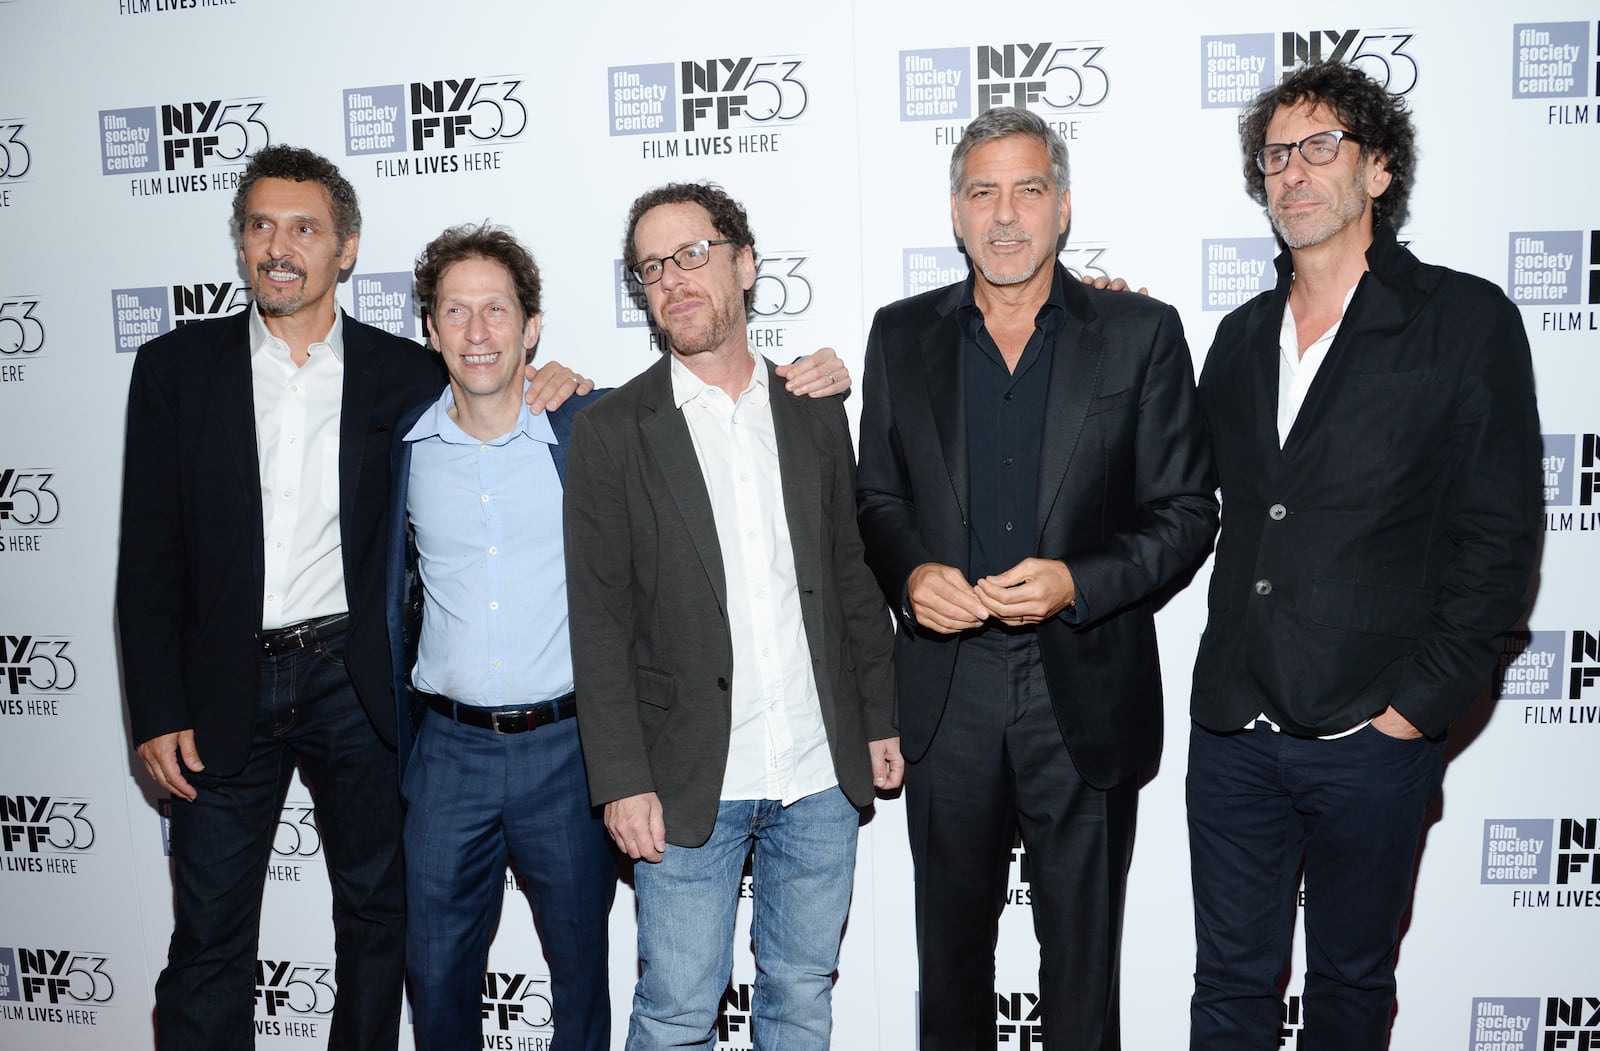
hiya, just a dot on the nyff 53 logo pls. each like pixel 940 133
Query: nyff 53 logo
pixel 516 1002
pixel 433 115
pixel 1382 54
pixel 1049 77
pixel 185 136
pixel 293 988
pixel 21 331
pixel 44 824
pixel 709 94
pixel 15 157
pixel 139 315
pixel 26 499
pixel 54 976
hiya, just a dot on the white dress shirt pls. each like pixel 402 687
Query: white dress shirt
pixel 778 746
pixel 297 444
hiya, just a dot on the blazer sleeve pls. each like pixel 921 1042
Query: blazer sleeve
pixel 600 596
pixel 885 508
pixel 866 617
pixel 151 557
pixel 1174 514
pixel 1493 521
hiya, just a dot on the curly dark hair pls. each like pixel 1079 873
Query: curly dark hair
pixel 1380 120
pixel 727 217
pixel 299 165
pixel 496 244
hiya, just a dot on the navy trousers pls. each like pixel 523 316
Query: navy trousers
pixel 1261 805
pixel 473 797
pixel 308 714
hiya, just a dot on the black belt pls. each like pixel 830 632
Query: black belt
pixel 298 636
pixel 502 720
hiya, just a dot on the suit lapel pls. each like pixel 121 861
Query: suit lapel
pixel 941 367
pixel 667 441
pixel 1074 381
pixel 800 475
pixel 233 400
pixel 355 409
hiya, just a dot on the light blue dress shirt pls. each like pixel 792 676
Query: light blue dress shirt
pixel 488 526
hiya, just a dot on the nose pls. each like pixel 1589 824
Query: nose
pixel 477 331
pixel 671 275
pixel 278 244
pixel 1005 208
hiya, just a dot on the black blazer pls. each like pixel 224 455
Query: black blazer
pixel 651 648
pixel 1125 500
pixel 1378 557
pixel 189 574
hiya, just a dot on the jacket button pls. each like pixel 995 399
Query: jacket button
pixel 722 684
pixel 1277 512
pixel 1263 587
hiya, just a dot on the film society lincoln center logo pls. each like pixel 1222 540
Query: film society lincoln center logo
pixel 1551 861
pixel 434 127
pixel 1234 68
pixel 182 147
pixel 1049 77
pixel 1556 63
pixel 1532 1023
pixel 708 106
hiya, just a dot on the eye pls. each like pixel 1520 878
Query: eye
pixel 650 269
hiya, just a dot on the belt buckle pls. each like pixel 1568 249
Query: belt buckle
pixel 513 724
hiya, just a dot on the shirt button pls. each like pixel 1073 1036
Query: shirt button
pixel 494 605
pixel 484 498
pixel 1263 587
pixel 1006 462
pixel 494 551
pixel 1277 512
pixel 1008 527
pixel 495 663
pixel 288 494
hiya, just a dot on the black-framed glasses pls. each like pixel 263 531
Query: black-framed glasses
pixel 1318 149
pixel 689 257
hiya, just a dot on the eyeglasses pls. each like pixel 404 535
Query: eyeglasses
pixel 689 257
pixel 1318 149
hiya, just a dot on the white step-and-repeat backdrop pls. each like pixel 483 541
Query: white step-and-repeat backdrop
pixel 123 124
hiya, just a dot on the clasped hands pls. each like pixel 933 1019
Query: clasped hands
pixel 1030 592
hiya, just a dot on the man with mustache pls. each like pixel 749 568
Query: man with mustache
pixel 250 604
pixel 1033 472
pixel 730 648
pixel 1377 444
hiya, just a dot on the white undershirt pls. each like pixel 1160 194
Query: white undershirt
pixel 297 445
pixel 777 746
pixel 1295 373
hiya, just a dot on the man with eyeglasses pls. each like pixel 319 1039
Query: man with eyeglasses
pixel 731 650
pixel 1377 444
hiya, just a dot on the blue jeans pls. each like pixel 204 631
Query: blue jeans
pixel 307 713
pixel 802 874
pixel 1351 811
pixel 473 796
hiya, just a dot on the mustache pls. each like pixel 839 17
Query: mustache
pixel 280 265
pixel 1006 233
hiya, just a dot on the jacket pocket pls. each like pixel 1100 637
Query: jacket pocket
pixel 1377 609
pixel 653 687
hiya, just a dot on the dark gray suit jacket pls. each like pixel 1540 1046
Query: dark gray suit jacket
pixel 651 648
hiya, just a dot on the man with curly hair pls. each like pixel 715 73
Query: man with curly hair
pixel 1377 445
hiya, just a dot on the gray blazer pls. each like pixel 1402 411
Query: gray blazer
pixel 652 653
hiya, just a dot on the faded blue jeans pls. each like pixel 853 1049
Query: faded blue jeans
pixel 802 874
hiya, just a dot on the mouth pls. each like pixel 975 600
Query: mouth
pixel 280 273
pixel 480 359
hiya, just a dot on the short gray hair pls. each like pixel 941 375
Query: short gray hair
pixel 1004 121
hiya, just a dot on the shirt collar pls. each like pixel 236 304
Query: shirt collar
pixel 435 422
pixel 686 386
pixel 261 339
pixel 1055 301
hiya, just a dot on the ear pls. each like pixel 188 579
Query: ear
pixel 433 334
pixel 747 267
pixel 347 251
pixel 955 218
pixel 1378 177
pixel 530 331
pixel 1066 212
